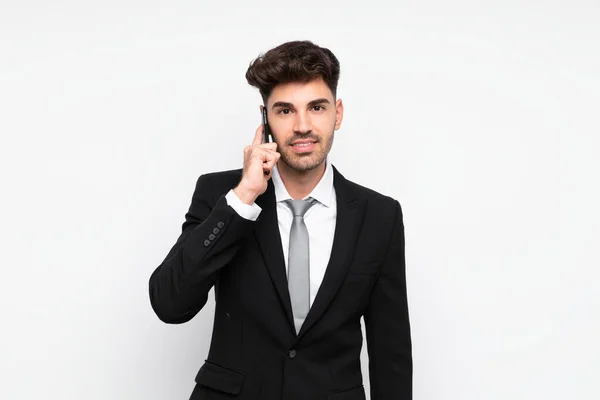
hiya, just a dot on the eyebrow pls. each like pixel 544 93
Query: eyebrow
pixel 311 103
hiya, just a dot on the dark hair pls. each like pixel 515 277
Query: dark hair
pixel 295 61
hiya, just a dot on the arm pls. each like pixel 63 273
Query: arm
pixel 180 285
pixel 387 325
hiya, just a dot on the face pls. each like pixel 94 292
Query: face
pixel 303 118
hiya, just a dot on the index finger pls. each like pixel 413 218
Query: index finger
pixel 258 136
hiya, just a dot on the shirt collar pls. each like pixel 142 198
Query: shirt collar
pixel 323 192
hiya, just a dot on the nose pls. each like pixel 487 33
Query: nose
pixel 303 124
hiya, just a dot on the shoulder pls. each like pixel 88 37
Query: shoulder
pixel 218 183
pixel 223 177
pixel 383 203
pixel 381 210
pixel 372 195
pixel 374 198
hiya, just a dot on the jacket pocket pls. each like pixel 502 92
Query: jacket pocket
pixel 357 393
pixel 220 378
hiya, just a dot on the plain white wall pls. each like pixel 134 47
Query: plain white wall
pixel 481 119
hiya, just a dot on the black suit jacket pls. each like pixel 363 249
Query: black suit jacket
pixel 255 352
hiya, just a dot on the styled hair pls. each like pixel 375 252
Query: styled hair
pixel 295 61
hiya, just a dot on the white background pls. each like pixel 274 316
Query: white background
pixel 481 118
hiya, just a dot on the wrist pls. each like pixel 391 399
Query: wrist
pixel 246 196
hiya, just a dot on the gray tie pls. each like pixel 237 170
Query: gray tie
pixel 298 261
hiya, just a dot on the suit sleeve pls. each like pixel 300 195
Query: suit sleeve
pixel 211 236
pixel 387 325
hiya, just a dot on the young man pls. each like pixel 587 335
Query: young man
pixel 297 254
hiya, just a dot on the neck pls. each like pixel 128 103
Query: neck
pixel 300 183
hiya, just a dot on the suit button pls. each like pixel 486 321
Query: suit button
pixel 292 354
pixel 216 230
pixel 206 243
pixel 220 224
pixel 211 236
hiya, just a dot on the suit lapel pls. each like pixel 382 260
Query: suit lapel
pixel 350 210
pixel 269 239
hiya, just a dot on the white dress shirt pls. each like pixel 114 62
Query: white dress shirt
pixel 319 219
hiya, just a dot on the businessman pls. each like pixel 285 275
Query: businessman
pixel 296 254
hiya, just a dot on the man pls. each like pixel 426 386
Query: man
pixel 297 254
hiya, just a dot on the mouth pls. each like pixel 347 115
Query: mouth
pixel 303 146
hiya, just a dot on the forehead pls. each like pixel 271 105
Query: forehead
pixel 300 93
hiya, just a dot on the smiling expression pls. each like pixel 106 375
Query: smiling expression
pixel 303 118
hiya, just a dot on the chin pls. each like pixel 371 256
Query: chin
pixel 308 161
pixel 302 164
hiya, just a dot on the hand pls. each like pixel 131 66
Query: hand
pixel 259 159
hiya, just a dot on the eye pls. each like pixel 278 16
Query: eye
pixel 284 111
pixel 318 108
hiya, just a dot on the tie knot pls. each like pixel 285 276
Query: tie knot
pixel 300 207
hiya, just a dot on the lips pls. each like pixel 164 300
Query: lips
pixel 303 146
pixel 303 142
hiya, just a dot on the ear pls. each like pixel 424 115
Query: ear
pixel 339 113
pixel 260 108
